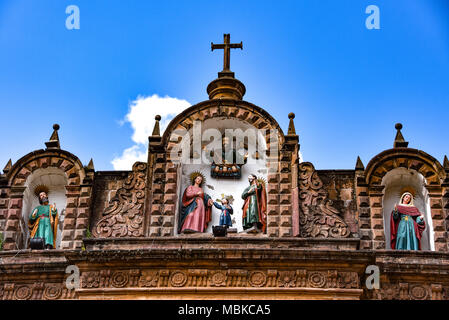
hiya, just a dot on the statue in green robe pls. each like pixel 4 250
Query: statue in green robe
pixel 43 220
pixel 255 205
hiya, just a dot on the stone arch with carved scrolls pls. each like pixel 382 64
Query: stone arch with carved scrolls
pixel 369 191
pixel 78 193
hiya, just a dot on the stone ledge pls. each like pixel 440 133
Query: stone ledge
pixel 249 242
pixel 219 293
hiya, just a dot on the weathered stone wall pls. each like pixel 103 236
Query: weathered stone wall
pixel 106 185
pixel 340 186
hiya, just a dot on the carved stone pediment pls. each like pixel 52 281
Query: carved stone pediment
pixel 318 218
pixel 125 214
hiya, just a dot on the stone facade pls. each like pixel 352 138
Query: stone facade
pixel 324 227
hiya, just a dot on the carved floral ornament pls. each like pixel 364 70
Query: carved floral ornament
pixel 318 218
pixel 124 215
pixel 36 291
pixel 221 278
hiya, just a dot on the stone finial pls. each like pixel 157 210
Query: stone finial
pixel 446 163
pixel 90 166
pixel 291 125
pixel 359 165
pixel 53 143
pixel 399 141
pixel 8 167
pixel 157 130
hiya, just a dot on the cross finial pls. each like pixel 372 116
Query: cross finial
pixel 227 46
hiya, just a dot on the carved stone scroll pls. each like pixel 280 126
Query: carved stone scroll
pixel 125 214
pixel 318 218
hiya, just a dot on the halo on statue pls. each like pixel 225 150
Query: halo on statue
pixel 262 181
pixel 410 190
pixel 41 188
pixel 194 175
pixel 411 203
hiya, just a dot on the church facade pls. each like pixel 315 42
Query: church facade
pixel 314 234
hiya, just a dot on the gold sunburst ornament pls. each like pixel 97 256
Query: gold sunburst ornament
pixel 230 198
pixel 194 175
pixel 262 181
pixel 41 188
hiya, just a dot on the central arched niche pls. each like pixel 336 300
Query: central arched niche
pixel 56 180
pixel 228 186
pixel 395 181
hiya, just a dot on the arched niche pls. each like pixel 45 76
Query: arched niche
pixel 394 183
pixel 215 187
pixel 56 180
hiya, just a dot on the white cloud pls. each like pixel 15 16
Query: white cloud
pixel 141 114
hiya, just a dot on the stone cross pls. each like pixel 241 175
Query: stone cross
pixel 227 46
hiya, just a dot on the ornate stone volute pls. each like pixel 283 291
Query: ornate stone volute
pixel 318 218
pixel 124 217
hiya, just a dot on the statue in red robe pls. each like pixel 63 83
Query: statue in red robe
pixel 406 225
pixel 255 206
pixel 196 209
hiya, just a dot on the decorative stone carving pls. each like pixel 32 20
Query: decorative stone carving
pixel 119 279
pixel 52 292
pixel 36 291
pixel 412 291
pixel 23 293
pixel 318 219
pixel 287 279
pixel 317 280
pixel 124 216
pixel 222 278
pixel 178 279
pixel 218 279
pixel 257 279
pixel 149 279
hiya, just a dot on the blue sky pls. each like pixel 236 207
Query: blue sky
pixel 347 85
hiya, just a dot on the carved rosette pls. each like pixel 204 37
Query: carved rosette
pixel 124 216
pixel 36 291
pixel 223 278
pixel 318 219
pixel 406 291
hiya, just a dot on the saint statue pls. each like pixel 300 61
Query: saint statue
pixel 43 220
pixel 224 205
pixel 255 205
pixel 406 225
pixel 196 208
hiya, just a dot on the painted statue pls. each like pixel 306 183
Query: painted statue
pixel 406 225
pixel 196 208
pixel 255 205
pixel 226 210
pixel 43 220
